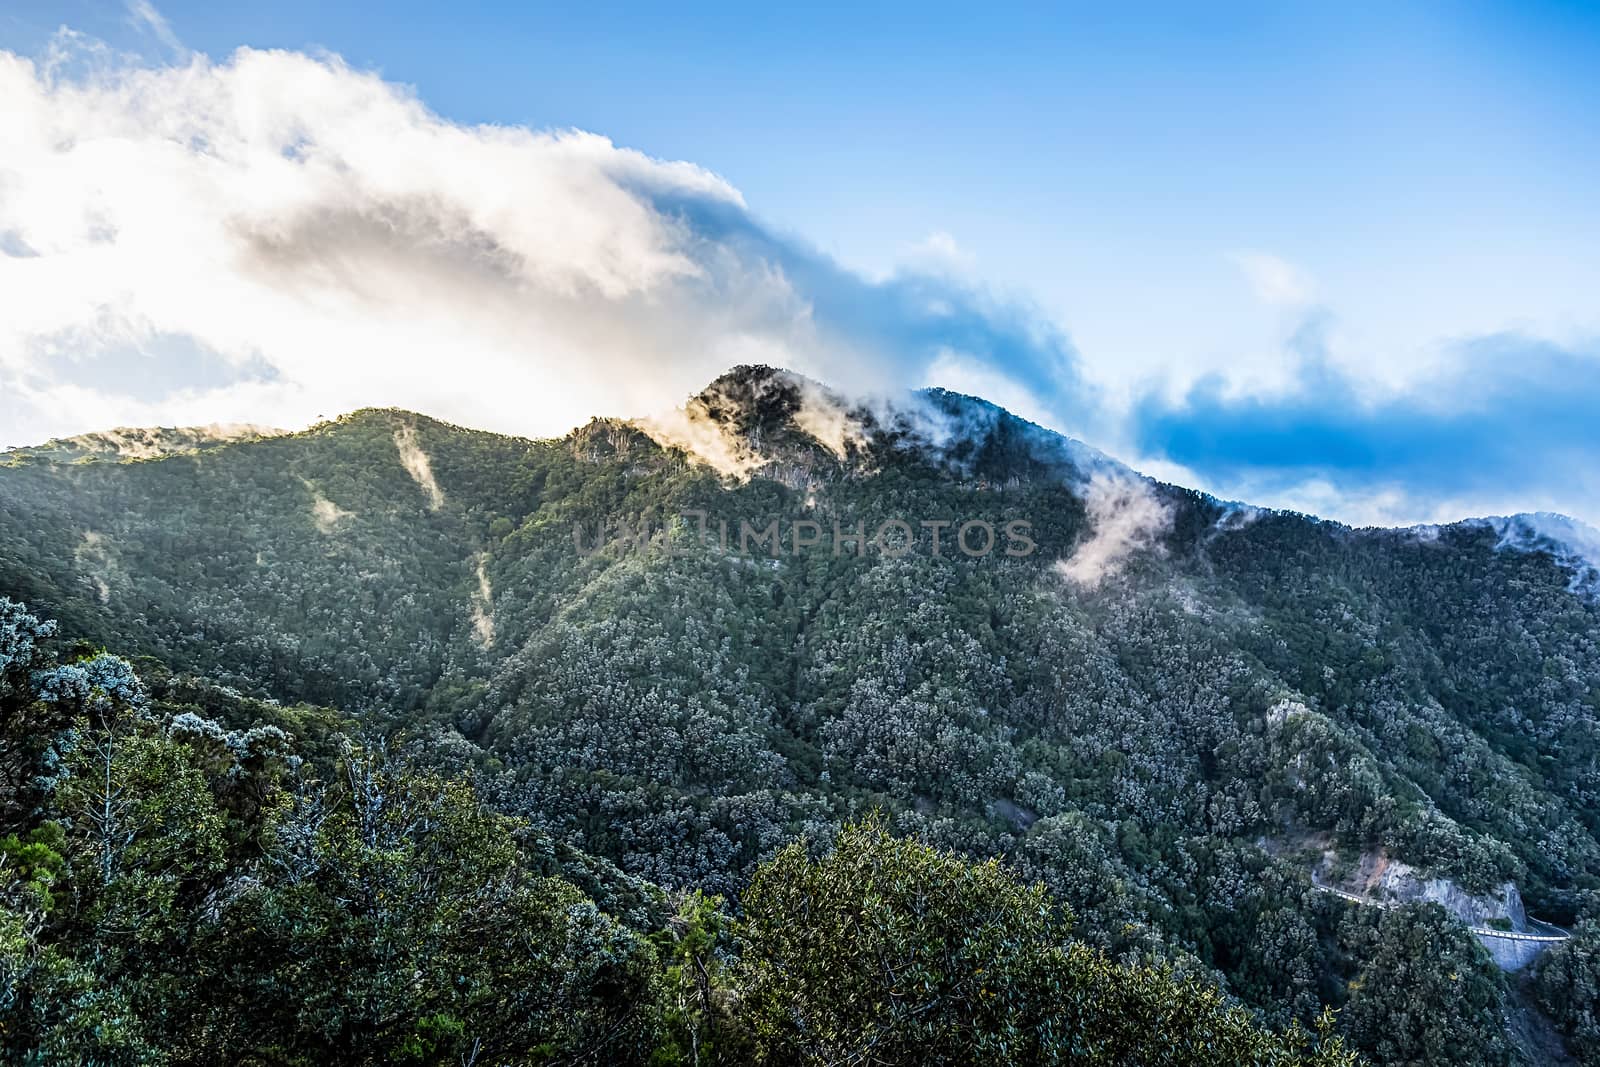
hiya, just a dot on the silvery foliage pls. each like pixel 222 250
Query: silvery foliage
pixel 20 634
pixel 99 685
pixel 243 746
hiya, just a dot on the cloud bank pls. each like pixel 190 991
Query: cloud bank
pixel 276 237
pixel 281 237
pixel 1573 545
pixel 1508 418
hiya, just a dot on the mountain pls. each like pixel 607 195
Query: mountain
pixel 1171 711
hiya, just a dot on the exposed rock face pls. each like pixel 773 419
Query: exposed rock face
pixel 1391 881
pixel 1404 883
pixel 775 422
pixel 1383 882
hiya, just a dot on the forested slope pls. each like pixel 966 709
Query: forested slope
pixel 189 876
pixel 1168 712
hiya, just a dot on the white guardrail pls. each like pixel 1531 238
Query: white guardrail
pixel 1481 931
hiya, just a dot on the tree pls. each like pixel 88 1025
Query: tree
pixel 402 925
pixel 888 951
pixel 1567 985
pixel 1427 993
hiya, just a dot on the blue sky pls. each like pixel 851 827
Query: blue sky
pixel 1338 257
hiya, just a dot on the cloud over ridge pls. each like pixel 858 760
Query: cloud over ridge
pixel 332 243
pixel 275 237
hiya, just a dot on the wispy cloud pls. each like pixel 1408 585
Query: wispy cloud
pixel 1125 517
pixel 324 241
pixel 938 252
pixel 145 17
pixel 278 237
pixel 1507 420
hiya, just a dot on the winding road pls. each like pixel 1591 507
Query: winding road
pixel 1481 931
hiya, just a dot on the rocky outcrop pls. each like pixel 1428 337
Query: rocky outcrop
pixel 1405 884
pixel 1382 879
pixel 1498 919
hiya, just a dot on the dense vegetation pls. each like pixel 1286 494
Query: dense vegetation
pixel 1568 986
pixel 1167 752
pixel 178 888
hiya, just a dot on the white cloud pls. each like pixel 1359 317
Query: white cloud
pixel 689 429
pixel 337 245
pixel 325 242
pixel 1125 517
pixel 417 464
pixel 939 252
pixel 329 243
pixel 962 374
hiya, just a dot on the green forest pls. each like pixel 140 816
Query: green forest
pixel 333 747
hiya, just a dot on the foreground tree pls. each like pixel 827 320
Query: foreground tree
pixel 888 951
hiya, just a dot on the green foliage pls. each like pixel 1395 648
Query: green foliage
pixel 1567 985
pixel 189 894
pixel 701 1005
pixel 403 926
pixel 888 951
pixel 1426 994
pixel 386 915
pixel 1154 750
pixel 35 862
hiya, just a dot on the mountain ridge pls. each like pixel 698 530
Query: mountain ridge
pixel 144 443
pixel 1131 714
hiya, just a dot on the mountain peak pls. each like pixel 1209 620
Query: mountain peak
pixel 757 417
pixel 752 398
